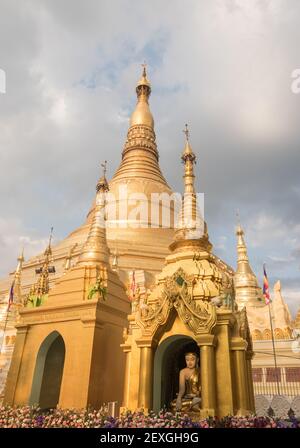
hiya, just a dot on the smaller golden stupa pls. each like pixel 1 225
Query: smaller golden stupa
pixel 67 351
pixel 190 309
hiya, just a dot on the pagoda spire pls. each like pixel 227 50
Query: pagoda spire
pixel 42 285
pixel 190 200
pixel 140 154
pixel 243 265
pixel 95 249
pixel 248 293
pixel 17 280
pixel 142 114
pixel 191 226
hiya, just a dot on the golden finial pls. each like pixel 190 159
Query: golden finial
pixel 143 86
pixel 102 184
pixel 144 65
pixel 188 154
pixel 48 250
pixel 186 132
pixel 41 288
pixel 95 250
pixel 51 235
pixel 238 218
pixel 142 115
pixel 21 256
pixel 104 166
pixel 239 229
pixel 241 245
pixel 17 279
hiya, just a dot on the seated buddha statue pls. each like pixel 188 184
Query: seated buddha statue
pixel 189 395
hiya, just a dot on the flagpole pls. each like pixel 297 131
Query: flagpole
pixel 269 302
pixel 274 351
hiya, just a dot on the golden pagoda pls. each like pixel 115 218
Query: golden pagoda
pixel 247 291
pixel 248 294
pixel 67 350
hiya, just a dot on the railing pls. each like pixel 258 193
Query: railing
pixel 283 381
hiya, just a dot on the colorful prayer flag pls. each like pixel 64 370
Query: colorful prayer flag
pixel 266 287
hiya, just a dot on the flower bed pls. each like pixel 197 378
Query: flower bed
pixel 30 417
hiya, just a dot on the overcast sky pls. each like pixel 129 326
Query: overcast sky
pixel 224 67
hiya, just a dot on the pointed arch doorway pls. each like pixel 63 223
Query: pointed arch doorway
pixel 169 359
pixel 48 372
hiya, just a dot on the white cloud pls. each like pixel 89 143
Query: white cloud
pixel 265 228
pixel 12 241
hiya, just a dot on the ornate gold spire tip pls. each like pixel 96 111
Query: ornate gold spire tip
pixel 239 229
pixel 142 115
pixel 186 132
pixel 144 65
pixel 188 152
pixel 102 184
pixel 95 249
pixel 144 80
pixel 104 166
pixel 21 256
pixel 48 250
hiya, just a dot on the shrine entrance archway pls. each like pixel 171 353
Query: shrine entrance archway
pixel 48 372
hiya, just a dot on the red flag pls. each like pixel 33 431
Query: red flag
pixel 266 287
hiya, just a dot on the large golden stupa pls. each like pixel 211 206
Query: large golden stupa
pixel 133 297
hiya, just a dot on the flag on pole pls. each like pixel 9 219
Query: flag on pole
pixel 11 295
pixel 266 287
pixel 132 286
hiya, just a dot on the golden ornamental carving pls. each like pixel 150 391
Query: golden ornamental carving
pixel 141 136
pixel 198 315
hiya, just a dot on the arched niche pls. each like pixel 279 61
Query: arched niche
pixel 48 372
pixel 169 359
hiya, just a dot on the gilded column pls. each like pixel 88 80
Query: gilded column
pixel 13 378
pixel 127 351
pixel 239 347
pixel 250 381
pixel 206 344
pixel 145 377
pixel 224 373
